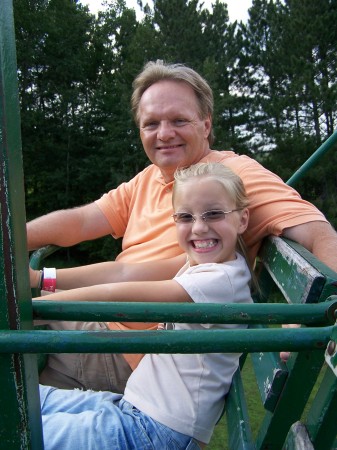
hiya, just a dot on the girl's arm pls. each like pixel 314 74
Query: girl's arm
pixel 112 272
pixel 132 291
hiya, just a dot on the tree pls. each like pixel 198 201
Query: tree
pixel 179 31
pixel 223 49
pixel 273 79
pixel 53 67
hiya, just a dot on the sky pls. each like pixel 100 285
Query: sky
pixel 237 9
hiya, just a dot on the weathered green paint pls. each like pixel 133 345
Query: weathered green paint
pixel 298 438
pixel 330 285
pixel 267 313
pixel 271 375
pixel 212 341
pixel 304 368
pixel 322 417
pixel 331 352
pixel 240 435
pixel 19 404
pixel 300 278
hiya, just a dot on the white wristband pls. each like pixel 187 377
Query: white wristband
pixel 49 279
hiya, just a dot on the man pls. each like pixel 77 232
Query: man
pixel 173 108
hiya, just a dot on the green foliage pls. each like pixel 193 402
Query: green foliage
pixel 273 78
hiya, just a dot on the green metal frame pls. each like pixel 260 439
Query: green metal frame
pixel 20 423
pixel 307 281
pixel 314 159
pixel 285 389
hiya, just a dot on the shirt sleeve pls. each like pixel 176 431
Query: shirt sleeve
pixel 216 283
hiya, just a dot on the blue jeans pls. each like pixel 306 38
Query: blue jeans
pixel 87 420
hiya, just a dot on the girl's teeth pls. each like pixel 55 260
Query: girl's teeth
pixel 205 244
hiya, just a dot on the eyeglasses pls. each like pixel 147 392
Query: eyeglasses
pixel 208 216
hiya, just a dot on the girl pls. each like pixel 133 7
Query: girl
pixel 171 401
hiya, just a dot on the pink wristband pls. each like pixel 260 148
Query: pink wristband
pixel 49 279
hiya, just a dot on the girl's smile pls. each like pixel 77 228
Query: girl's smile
pixel 204 244
pixel 208 223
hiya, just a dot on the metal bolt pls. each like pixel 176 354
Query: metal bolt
pixel 331 348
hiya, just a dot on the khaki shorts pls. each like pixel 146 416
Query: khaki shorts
pixel 96 371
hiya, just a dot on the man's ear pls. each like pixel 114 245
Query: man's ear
pixel 244 219
pixel 208 126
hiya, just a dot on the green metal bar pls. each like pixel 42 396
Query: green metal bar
pixel 20 423
pixel 321 422
pixel 304 368
pixel 240 436
pixel 36 259
pixel 314 158
pixel 277 313
pixel 331 353
pixel 271 374
pixel 209 341
pixel 40 254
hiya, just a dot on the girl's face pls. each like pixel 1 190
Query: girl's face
pixel 207 241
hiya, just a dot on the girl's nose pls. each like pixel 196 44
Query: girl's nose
pixel 200 225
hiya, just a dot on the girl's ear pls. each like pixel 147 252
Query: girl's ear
pixel 244 219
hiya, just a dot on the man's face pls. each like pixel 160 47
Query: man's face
pixel 171 130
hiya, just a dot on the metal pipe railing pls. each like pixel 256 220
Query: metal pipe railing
pixel 310 162
pixel 159 341
pixel 257 313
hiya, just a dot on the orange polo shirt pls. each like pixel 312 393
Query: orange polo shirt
pixel 140 212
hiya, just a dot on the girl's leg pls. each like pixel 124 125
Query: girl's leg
pixel 55 400
pixel 86 420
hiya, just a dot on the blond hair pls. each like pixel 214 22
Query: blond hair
pixel 155 71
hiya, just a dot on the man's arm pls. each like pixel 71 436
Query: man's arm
pixel 67 227
pixel 317 237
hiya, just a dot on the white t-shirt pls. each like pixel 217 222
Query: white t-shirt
pixel 186 392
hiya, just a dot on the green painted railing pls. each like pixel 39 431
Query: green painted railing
pixel 268 313
pixel 210 341
pixel 20 421
pixel 313 160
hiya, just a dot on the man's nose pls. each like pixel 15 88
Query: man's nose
pixel 165 131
